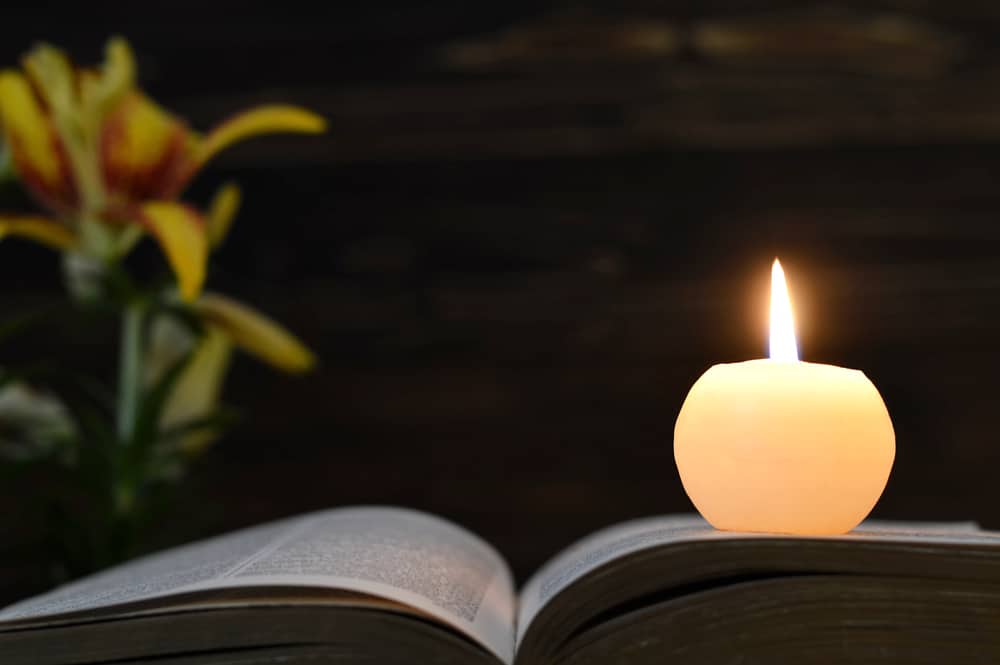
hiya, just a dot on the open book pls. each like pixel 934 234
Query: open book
pixel 389 585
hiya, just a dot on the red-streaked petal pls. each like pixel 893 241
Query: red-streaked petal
pixel 142 149
pixel 38 155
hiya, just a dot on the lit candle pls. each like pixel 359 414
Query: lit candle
pixel 783 446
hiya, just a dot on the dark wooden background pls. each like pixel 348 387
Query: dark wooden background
pixel 533 225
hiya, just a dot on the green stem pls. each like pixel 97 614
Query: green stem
pixel 130 371
pixel 97 238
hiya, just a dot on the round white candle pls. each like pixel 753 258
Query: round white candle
pixel 784 446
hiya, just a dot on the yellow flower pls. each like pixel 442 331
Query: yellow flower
pixel 107 163
pixel 254 333
pixel 227 323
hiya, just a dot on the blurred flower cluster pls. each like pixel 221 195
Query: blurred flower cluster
pixel 107 167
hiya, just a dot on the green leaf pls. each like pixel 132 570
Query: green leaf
pixel 181 314
pixel 215 422
pixel 21 323
pixel 152 404
pixel 91 453
pixel 13 469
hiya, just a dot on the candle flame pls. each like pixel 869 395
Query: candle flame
pixel 783 346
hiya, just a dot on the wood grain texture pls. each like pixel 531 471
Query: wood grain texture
pixel 533 226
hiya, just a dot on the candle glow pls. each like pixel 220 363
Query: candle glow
pixel 780 445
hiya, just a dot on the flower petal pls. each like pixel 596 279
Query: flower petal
pixel 40 229
pixel 6 162
pixel 255 333
pixel 116 78
pixel 180 230
pixel 196 393
pixel 32 140
pixel 169 340
pixel 142 149
pixel 54 78
pixel 59 86
pixel 261 120
pixel 221 213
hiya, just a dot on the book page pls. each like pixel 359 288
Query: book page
pixel 409 557
pixel 611 543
